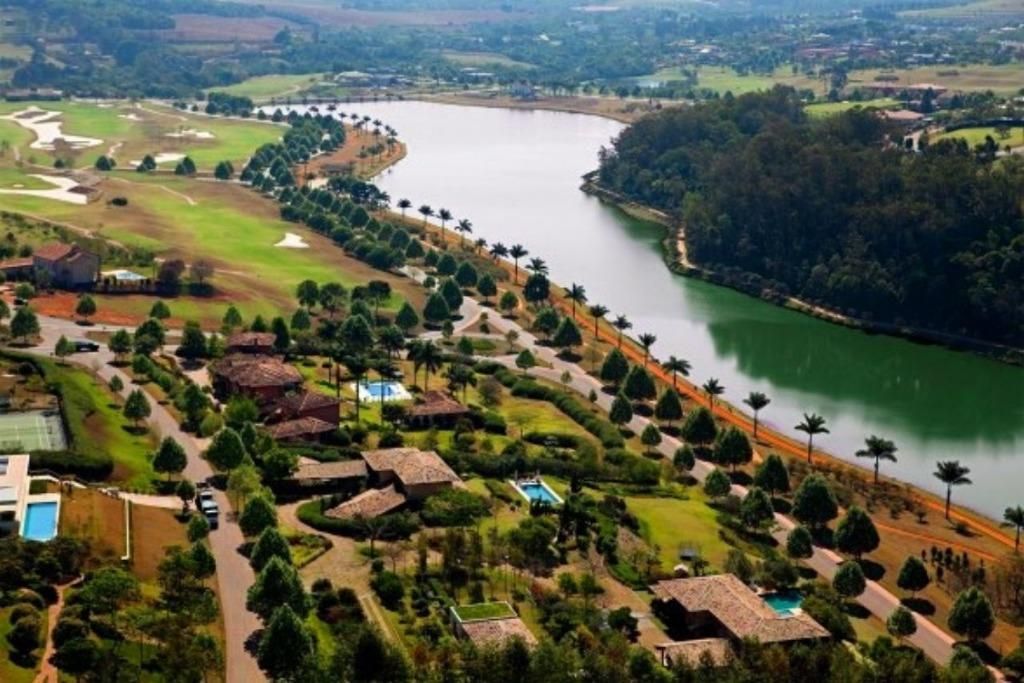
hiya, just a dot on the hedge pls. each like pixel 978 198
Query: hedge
pixel 402 524
pixel 88 466
pixel 556 439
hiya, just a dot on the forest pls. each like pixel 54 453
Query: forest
pixel 835 212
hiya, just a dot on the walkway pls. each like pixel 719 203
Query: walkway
pixel 234 575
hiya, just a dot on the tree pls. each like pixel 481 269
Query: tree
pixel 717 484
pixel 879 449
pixel 169 458
pixel 597 311
pixel 639 386
pixel 567 336
pixel 300 321
pixel 270 544
pixel 614 368
pixel 76 657
pixel 160 310
pixel 116 385
pixel 198 528
pixel 913 575
pixel 676 366
pixel 193 342
pixel 104 163
pixel 466 275
pixel 577 294
pixel 487 288
pixel 285 646
pixel 136 407
pixel 239 411
pixel 621 411
pixel 812 424
pixel 901 623
pixel 849 580
pixel 508 302
pixel 120 344
pixel 684 459
pixel 856 533
pixel 814 504
pixel 226 451
pixel 24 635
pixel 621 323
pixel 279 464
pixel 308 293
pixel 699 427
pixel 712 388
pixel 185 490
pixel 756 510
pixel 24 324
pixel 404 205
pixel 436 310
pixel 525 360
pixel 1014 517
pixel 972 615
pixel 951 473
pixel 86 307
pixel 650 437
pixel 282 335
pixel 772 475
pixel 516 251
pixel 756 401
pixel 732 448
pixel 537 288
pixel 407 319
pixel 232 318
pixel 63 348
pixel 258 514
pixel 223 170
pixel 799 543
pixel 668 408
pixel 278 584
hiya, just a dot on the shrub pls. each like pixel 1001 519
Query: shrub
pixel 388 587
pixel 454 507
pixel 89 466
pixel 401 524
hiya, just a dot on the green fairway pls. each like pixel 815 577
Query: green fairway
pixel 976 136
pixel 272 85
pixel 822 109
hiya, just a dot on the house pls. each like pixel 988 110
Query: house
pixel 327 472
pixel 34 95
pixel 302 429
pixel 68 265
pixel 307 404
pixel 264 379
pixel 418 474
pixel 723 608
pixel 14 487
pixel 490 624
pixel 435 409
pixel 370 503
pixel 251 342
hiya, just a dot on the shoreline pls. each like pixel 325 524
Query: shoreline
pixel 569 104
pixel 680 265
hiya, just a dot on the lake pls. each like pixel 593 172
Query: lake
pixel 516 175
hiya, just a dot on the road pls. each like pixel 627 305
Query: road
pixel 234 575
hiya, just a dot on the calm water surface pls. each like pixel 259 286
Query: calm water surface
pixel 516 176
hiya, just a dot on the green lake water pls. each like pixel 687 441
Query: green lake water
pixel 516 175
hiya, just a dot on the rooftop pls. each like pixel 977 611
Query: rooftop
pixel 259 371
pixel 433 403
pixel 411 465
pixel 303 426
pixel 306 400
pixel 369 503
pixel 53 251
pixel 343 469
pixel 251 339
pixel 497 631
pixel 738 609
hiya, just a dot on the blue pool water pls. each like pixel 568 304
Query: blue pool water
pixel 538 491
pixel 786 603
pixel 40 521
pixel 380 390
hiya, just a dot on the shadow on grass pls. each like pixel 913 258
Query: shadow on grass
pixel 856 610
pixel 983 650
pixel 920 605
pixel 781 505
pixel 806 573
pixel 872 570
pixel 740 478
pixel 823 536
pixel 135 431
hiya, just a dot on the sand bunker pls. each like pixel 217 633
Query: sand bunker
pixel 161 158
pixel 130 117
pixel 292 241
pixel 61 191
pixel 192 133
pixel 47 127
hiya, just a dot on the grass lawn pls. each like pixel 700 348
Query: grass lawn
pixel 722 79
pixel 976 136
pixel 483 59
pixel 822 109
pixel 9 671
pixel 97 426
pixel 484 610
pixel 1003 79
pixel 272 85
pixel 153 531
pixel 671 523
pixel 98 519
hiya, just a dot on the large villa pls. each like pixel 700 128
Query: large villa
pixel 31 515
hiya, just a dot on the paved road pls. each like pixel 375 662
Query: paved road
pixel 234 575
pixel 929 638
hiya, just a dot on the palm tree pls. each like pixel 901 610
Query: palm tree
pixel 517 251
pixel 357 365
pixel 431 359
pixel 479 244
pixel 713 388
pixel 444 215
pixel 464 227
pixel 597 311
pixel 577 295
pixel 427 212
pixel 812 424
pixel 1014 517
pixel 647 341
pixel 537 266
pixel 498 250
pixel 621 323
pixel 404 204
pixel 756 401
pixel 951 473
pixel 677 366
pixel 879 449
pixel 412 352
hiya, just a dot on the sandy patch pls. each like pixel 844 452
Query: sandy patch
pixel 61 191
pixel 161 158
pixel 130 117
pixel 292 241
pixel 192 133
pixel 47 128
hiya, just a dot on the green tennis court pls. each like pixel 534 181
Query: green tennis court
pixel 39 430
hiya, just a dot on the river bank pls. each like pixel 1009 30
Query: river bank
pixel 673 250
pixel 621 110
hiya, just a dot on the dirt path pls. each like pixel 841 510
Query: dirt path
pixel 184 197
pixel 48 672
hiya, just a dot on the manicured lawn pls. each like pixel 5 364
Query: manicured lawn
pixel 272 85
pixel 9 671
pixel 483 59
pixel 822 109
pixel 976 136
pixel 97 426
pixel 484 610
pixel 671 524
pixel 1003 79
pixel 722 79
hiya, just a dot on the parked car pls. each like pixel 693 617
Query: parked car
pixel 85 346
pixel 207 505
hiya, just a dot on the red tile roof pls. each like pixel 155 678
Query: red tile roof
pixel 53 251
pixel 305 400
pixel 342 469
pixel 369 503
pixel 411 465
pixel 484 632
pixel 434 403
pixel 251 339
pixel 302 427
pixel 256 371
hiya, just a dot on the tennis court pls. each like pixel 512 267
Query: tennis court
pixel 37 430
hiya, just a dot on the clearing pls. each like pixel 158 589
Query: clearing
pixel 1004 79
pixel 976 136
pixel 483 59
pixel 270 86
pixel 822 109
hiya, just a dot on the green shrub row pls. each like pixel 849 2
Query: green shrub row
pixel 400 524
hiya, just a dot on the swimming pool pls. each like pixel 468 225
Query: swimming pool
pixel 382 391
pixel 537 490
pixel 785 603
pixel 40 522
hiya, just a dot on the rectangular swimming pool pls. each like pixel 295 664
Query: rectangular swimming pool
pixel 536 490
pixel 382 391
pixel 40 522
pixel 785 603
